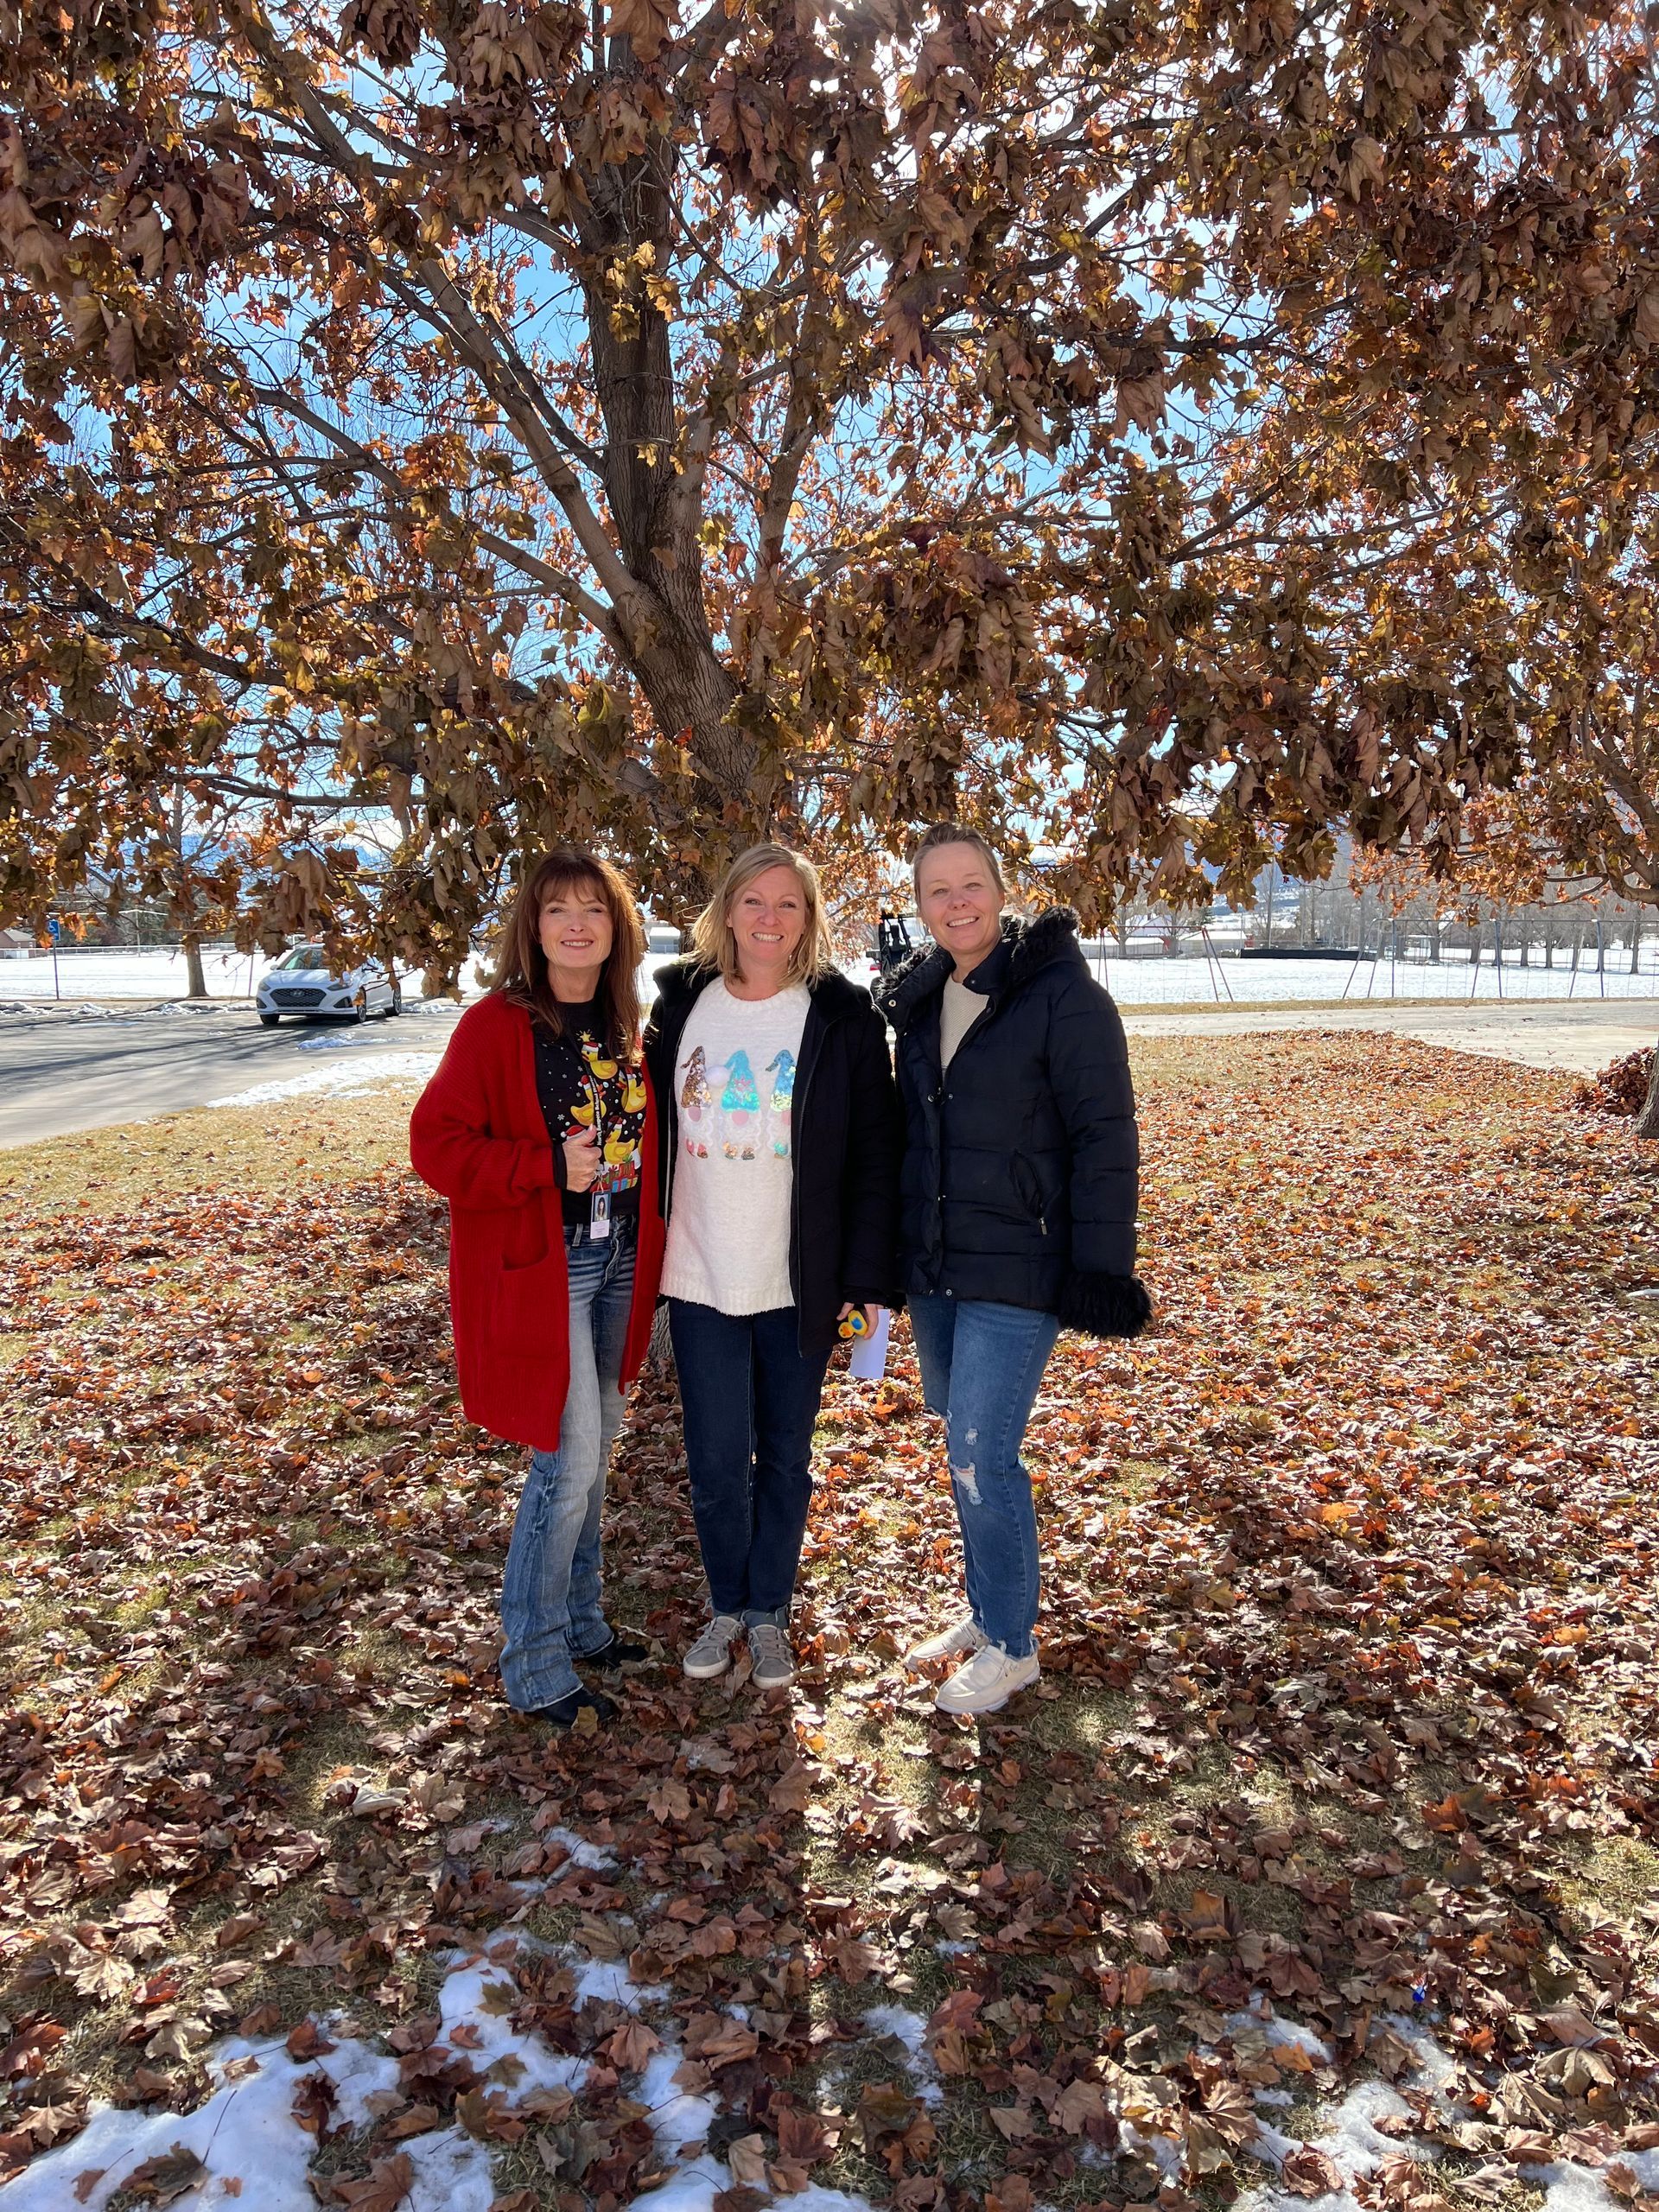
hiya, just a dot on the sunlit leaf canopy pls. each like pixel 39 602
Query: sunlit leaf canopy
pixel 1159 434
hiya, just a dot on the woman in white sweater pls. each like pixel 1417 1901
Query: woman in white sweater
pixel 779 1176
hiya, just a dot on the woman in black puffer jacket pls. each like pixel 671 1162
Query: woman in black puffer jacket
pixel 1018 1200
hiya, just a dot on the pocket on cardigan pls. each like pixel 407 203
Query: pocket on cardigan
pixel 530 1304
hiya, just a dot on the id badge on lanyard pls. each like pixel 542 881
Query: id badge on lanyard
pixel 599 1209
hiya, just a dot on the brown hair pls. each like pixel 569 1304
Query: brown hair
pixel 712 939
pixel 954 833
pixel 521 965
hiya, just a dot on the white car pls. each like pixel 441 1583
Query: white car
pixel 301 984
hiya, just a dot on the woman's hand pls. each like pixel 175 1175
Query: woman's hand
pixel 581 1161
pixel 868 1312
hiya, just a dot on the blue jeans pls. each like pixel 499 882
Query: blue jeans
pixel 550 1609
pixel 982 1364
pixel 750 1396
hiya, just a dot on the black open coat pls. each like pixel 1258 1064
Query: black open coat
pixel 843 1205
pixel 1021 1161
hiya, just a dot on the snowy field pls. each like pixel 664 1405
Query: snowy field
pixel 1188 980
pixel 123 975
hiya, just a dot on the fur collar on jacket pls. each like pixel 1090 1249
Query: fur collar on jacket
pixel 1026 948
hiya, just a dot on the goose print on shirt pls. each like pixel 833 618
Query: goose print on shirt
pixel 720 1106
pixel 583 1086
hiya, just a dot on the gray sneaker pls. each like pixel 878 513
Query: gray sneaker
pixel 711 1653
pixel 959 1641
pixel 774 1662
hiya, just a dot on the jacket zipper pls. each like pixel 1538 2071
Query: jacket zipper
pixel 796 1121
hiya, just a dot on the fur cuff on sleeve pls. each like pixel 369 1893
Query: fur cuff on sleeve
pixel 1105 1306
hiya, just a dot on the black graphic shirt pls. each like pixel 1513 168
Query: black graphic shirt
pixel 581 1087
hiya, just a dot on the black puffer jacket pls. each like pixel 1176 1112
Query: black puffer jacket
pixel 1022 1162
pixel 844 1204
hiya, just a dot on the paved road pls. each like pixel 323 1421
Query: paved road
pixel 59 1072
pixel 1579 1036
pixel 88 1070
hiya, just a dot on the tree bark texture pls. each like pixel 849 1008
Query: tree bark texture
pixel 657 510
pixel 1647 1125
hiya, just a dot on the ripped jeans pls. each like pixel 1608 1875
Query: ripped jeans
pixel 982 1364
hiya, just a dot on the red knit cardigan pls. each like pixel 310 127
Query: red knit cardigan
pixel 478 1137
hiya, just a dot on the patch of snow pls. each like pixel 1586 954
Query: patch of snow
pixel 678 2118
pixel 1272 2146
pixel 492 2034
pixel 451 2174
pixel 1569 2187
pixel 596 1857
pixel 357 2074
pixel 343 1082
pixel 351 1040
pixel 693 2189
pixel 1346 2132
pixel 815 2199
pixel 1279 2032
pixel 910 2029
pixel 894 2020
pixel 245 2132
pixel 1433 2066
pixel 610 1979
pixel 1163 2150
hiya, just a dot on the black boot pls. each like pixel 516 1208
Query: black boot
pixel 619 1652
pixel 564 1711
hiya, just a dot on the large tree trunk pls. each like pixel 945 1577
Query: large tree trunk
pixel 657 509
pixel 1647 1125
pixel 195 981
pixel 689 688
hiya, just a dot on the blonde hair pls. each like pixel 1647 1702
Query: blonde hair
pixel 712 936
pixel 954 833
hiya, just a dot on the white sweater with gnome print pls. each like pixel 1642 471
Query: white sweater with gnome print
pixel 728 1202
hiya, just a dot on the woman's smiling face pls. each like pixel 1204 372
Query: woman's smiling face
pixel 959 900
pixel 768 919
pixel 576 930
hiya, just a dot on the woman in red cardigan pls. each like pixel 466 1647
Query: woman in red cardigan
pixel 540 1128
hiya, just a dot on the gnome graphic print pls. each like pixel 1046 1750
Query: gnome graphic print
pixel 734 1091
pixel 727 1106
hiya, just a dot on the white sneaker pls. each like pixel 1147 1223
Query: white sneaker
pixel 711 1653
pixel 774 1662
pixel 961 1640
pixel 988 1680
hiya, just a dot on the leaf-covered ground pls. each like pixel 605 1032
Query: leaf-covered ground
pixel 1348 1714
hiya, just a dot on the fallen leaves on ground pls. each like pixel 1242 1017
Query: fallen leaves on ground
pixel 1347 1715
pixel 1620 1088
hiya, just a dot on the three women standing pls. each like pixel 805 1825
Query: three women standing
pixel 1018 1201
pixel 780 1172
pixel 540 1128
pixel 779 1176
